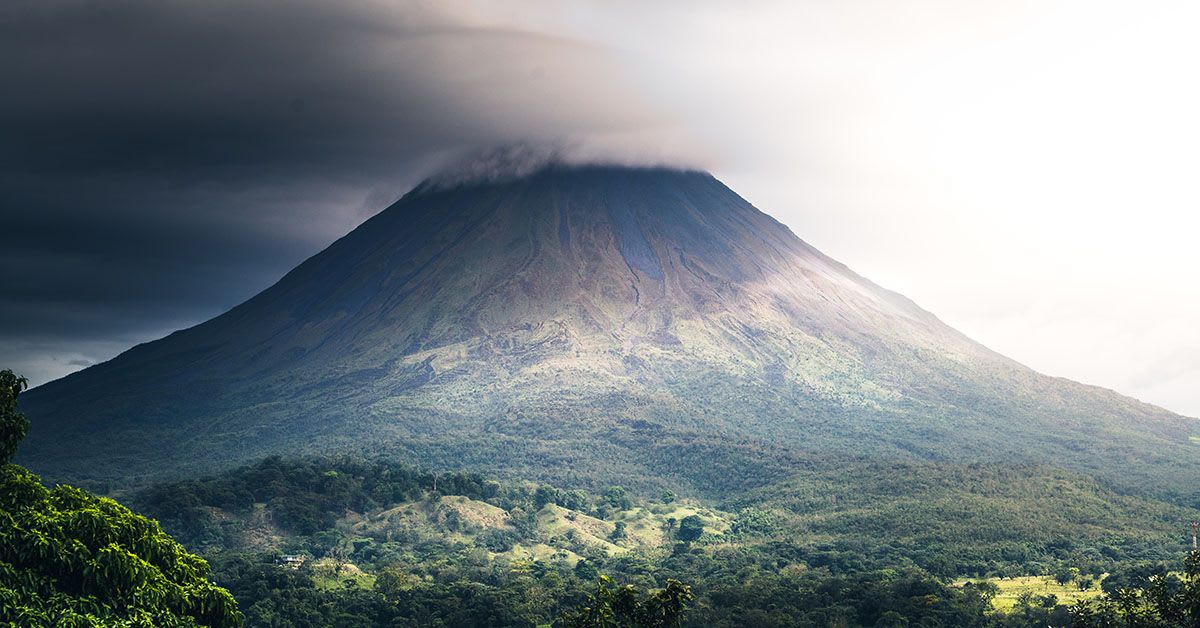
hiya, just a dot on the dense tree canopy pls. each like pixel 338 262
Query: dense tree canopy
pixel 690 529
pixel 414 561
pixel 13 424
pixel 624 607
pixel 68 558
pixel 1147 599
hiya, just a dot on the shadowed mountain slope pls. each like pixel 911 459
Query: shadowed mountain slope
pixel 591 324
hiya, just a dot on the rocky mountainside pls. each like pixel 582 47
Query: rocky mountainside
pixel 589 324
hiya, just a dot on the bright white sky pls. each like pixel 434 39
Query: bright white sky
pixel 1026 171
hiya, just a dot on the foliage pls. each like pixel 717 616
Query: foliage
pixel 68 558
pixel 618 532
pixel 450 571
pixel 1037 591
pixel 625 607
pixel 789 556
pixel 496 540
pixel 303 496
pixel 691 528
pixel 1133 576
pixel 752 522
pixel 13 424
pixel 618 497
pixel 972 520
pixel 883 598
pixel 1166 601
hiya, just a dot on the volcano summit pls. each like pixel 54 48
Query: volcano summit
pixel 588 324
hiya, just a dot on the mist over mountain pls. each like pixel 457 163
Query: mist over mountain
pixel 587 324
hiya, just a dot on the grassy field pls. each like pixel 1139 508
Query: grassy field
pixel 329 574
pixel 1012 588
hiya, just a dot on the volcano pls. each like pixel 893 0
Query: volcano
pixel 584 324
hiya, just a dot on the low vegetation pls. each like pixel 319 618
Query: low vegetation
pixel 383 543
pixel 1040 590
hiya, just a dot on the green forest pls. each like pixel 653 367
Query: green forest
pixel 68 558
pixel 381 543
pixel 371 541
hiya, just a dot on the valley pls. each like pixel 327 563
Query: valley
pixel 379 530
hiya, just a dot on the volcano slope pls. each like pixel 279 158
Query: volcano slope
pixel 586 325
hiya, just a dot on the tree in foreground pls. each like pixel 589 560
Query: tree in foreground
pixel 1164 601
pixel 69 558
pixel 624 607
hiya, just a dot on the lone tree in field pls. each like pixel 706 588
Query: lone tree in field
pixel 690 529
pixel 68 558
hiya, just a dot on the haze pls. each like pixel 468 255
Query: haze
pixel 1023 170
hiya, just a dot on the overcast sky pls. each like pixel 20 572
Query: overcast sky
pixel 1026 171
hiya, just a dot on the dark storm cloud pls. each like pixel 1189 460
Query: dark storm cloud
pixel 161 161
